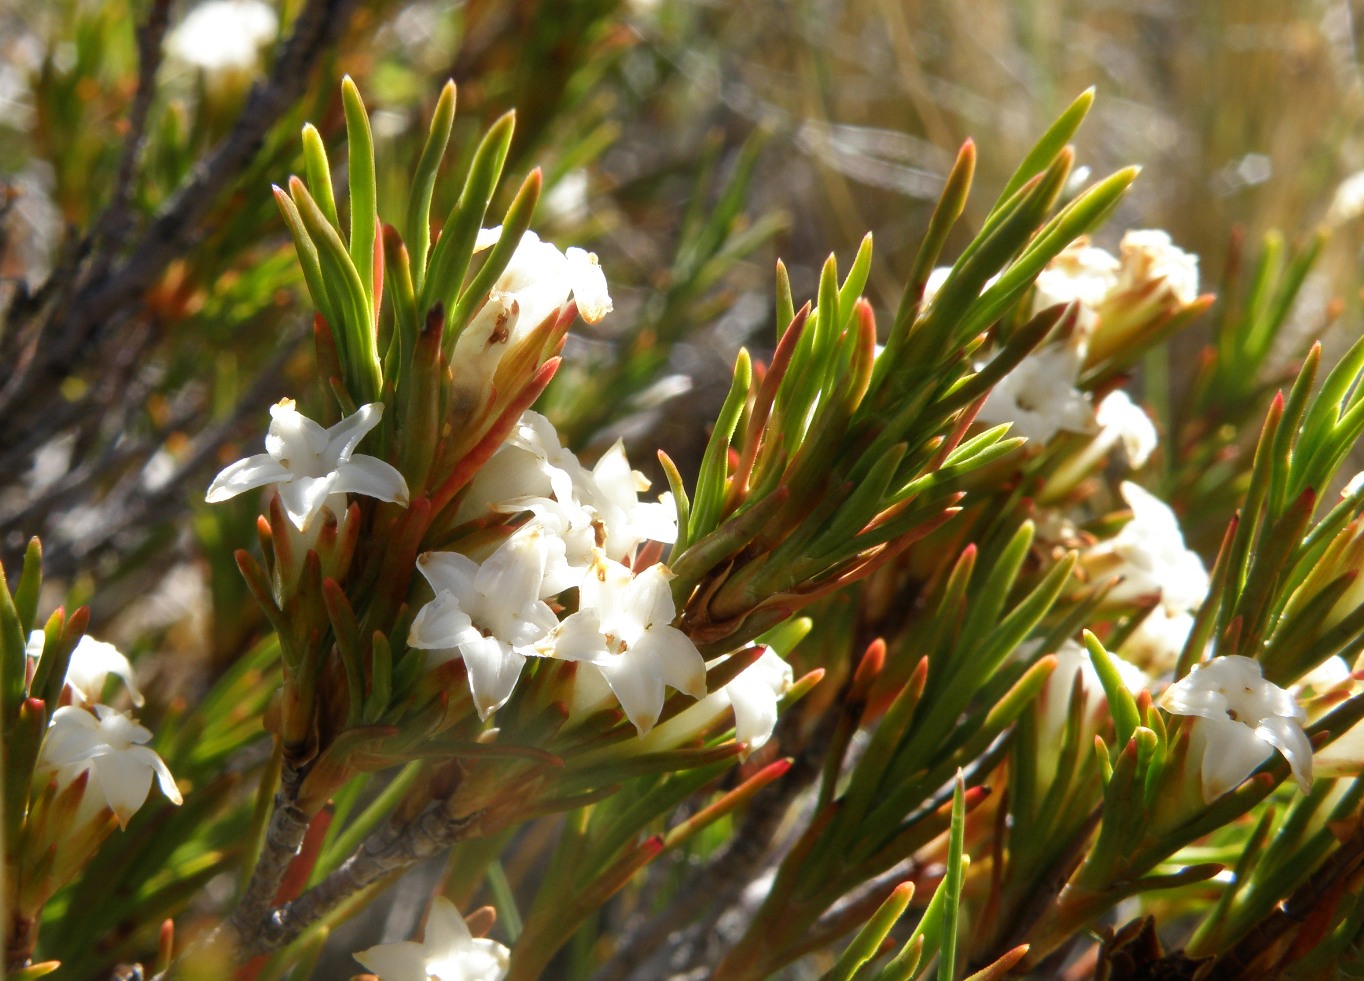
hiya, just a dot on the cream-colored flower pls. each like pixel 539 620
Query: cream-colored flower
pixel 108 745
pixel 1039 398
pixel 92 662
pixel 448 952
pixel 488 614
pixel 1149 257
pixel 1123 421
pixel 623 628
pixel 311 466
pixel 1242 719
pixel 1154 558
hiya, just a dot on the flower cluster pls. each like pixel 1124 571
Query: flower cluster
pixel 580 531
pixel 1041 396
pixel 568 577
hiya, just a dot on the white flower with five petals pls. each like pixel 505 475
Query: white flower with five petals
pixel 109 746
pixel 623 628
pixel 489 614
pixel 449 952
pixel 309 464
pixel 1242 719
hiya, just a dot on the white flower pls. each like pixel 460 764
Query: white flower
pixel 1242 719
pixel 1074 666
pixel 536 285
pixel 531 463
pixel 1039 397
pixel 1154 559
pixel 1080 273
pixel 1149 257
pixel 1159 639
pixel 623 628
pixel 491 615
pixel 447 953
pixel 107 745
pixel 613 494
pixel 224 35
pixel 309 464
pixel 593 509
pixel 1348 201
pixel 752 697
pixel 92 662
pixel 1122 420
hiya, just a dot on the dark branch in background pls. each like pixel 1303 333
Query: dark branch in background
pixel 115 219
pixel 88 319
pixel 93 299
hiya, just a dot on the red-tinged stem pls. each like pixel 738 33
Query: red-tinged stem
pixel 762 406
pixel 474 460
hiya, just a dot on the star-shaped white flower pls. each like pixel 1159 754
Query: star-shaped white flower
pixel 309 464
pixel 109 746
pixel 449 952
pixel 623 628
pixel 491 615
pixel 1039 397
pixel 753 697
pixel 92 662
pixel 1242 719
pixel 626 521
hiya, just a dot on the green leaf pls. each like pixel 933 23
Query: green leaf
pixel 868 941
pixel 424 183
pixel 1050 144
pixel 360 356
pixel 364 190
pixel 514 225
pixel 311 264
pixel 450 258
pixel 952 884
pixel 1121 704
pixel 710 481
pixel 29 586
pixel 318 173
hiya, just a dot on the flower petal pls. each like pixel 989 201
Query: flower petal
pixel 633 678
pixel 342 438
pixel 244 475
pixel 493 671
pixel 371 477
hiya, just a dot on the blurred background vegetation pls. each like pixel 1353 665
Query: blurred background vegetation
pixel 152 306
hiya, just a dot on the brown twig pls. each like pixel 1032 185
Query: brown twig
pixel 393 848
pixel 283 836
pixel 101 292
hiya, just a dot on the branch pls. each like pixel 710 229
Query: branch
pixel 92 307
pixel 391 849
pixel 283 836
